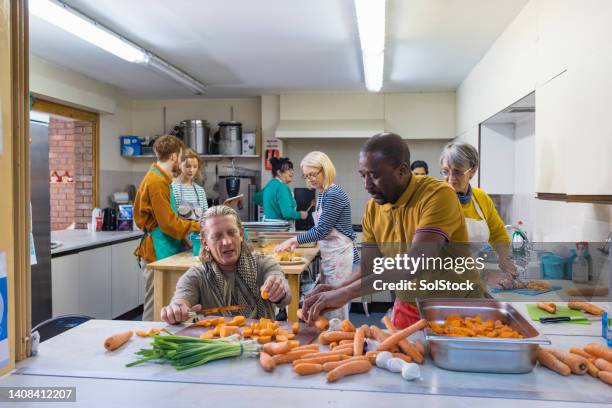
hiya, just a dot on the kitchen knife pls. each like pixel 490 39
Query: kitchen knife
pixel 213 310
pixel 559 319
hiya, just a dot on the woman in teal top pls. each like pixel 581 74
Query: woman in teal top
pixel 276 198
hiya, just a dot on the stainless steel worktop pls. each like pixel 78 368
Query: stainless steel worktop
pixel 72 240
pixel 79 353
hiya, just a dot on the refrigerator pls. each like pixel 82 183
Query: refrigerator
pixel 41 217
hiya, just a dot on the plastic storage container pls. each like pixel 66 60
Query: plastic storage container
pixel 556 267
pixel 130 146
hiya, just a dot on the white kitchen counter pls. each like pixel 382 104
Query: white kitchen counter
pixel 97 392
pixel 82 239
pixel 79 358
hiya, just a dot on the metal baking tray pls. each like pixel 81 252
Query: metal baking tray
pixel 478 354
pixel 277 238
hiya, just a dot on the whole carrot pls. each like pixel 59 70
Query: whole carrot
pixel 550 361
pixel 404 344
pixel 350 368
pixel 307 347
pixel 308 368
pixel 603 365
pixel 581 352
pixel 403 356
pixel 606 377
pixel 330 365
pixel 266 361
pixel 321 359
pixel 289 357
pixel 419 346
pixel 378 334
pixel 576 363
pixel 117 340
pixel 347 326
pixel 328 353
pixel 358 341
pixel 277 348
pixel 599 350
pixel 336 336
pixel 592 370
pixel 401 334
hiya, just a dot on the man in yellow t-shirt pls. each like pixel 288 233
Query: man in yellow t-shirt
pixel 417 215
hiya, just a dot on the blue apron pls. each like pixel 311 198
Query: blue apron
pixel 163 244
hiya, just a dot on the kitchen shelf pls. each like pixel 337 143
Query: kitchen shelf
pixel 203 156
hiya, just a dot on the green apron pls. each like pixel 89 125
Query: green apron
pixel 163 244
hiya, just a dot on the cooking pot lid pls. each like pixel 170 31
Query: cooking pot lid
pixel 197 122
pixel 230 123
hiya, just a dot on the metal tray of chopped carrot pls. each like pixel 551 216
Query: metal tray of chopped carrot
pixel 479 335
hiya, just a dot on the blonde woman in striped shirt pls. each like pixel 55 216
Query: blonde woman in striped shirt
pixel 190 197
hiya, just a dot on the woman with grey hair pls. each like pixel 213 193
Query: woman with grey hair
pixel 459 162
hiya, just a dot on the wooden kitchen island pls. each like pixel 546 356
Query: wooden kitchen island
pixel 168 271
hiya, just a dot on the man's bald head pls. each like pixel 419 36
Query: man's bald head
pixel 389 147
pixel 384 164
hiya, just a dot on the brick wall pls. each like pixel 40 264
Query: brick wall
pixel 70 149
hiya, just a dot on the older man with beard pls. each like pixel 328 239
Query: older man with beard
pixel 417 216
pixel 155 212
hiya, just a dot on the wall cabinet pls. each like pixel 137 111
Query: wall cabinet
pixel 553 123
pixel 103 283
pixel 497 158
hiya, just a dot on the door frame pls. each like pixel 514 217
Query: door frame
pixel 15 174
pixel 55 108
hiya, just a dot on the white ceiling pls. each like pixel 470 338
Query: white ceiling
pixel 255 47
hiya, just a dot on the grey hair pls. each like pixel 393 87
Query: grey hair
pixel 460 155
pixel 212 212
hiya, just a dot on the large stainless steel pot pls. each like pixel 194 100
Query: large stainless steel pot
pixel 229 138
pixel 196 134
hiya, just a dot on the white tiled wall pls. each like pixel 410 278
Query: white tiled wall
pixel 345 155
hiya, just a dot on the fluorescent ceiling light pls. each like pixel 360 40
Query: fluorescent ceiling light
pixel 83 27
pixel 68 19
pixel 371 23
pixel 162 66
pixel 373 71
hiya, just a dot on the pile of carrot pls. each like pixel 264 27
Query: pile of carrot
pixel 346 355
pixel 263 331
pixel 594 359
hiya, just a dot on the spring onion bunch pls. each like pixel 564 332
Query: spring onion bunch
pixel 184 352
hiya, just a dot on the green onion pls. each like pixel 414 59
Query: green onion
pixel 184 352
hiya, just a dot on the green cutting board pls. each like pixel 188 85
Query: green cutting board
pixel 535 313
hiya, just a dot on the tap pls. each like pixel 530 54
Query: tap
pixel 605 248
